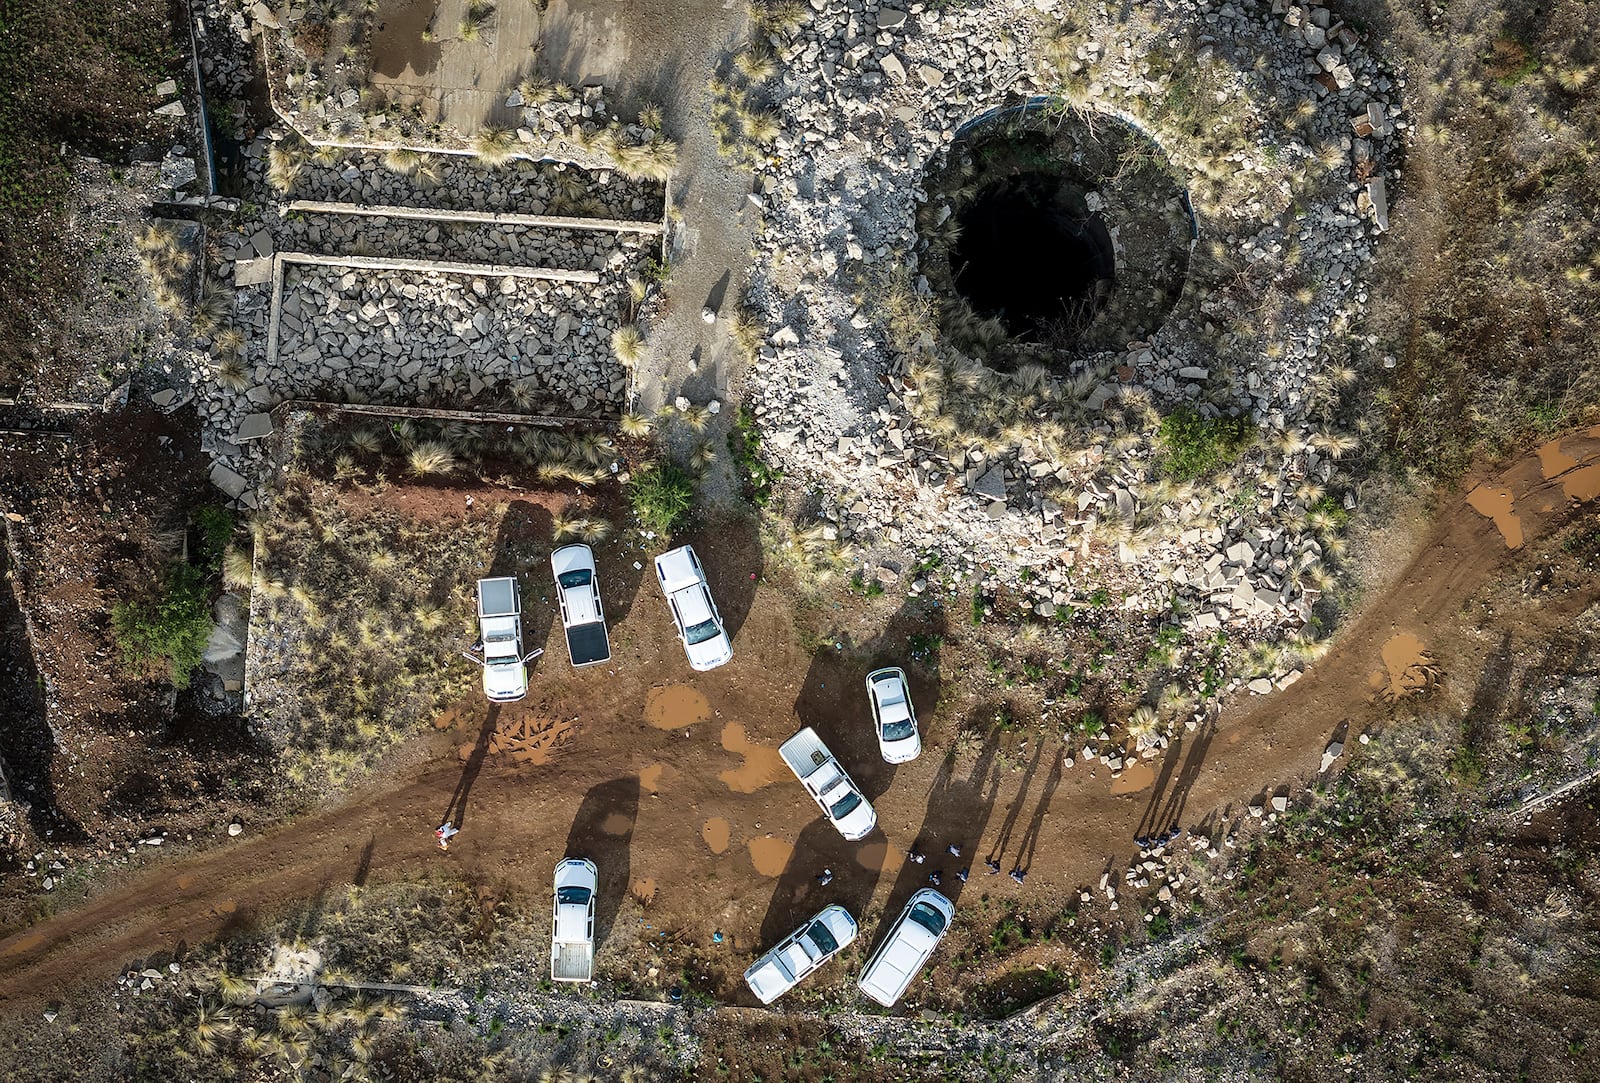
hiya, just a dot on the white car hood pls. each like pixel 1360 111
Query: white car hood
pixel 860 821
pixel 505 680
pixel 713 652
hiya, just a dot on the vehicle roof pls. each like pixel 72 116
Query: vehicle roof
pixel 676 568
pixel 693 603
pixel 572 922
pixel 570 558
pixel 500 638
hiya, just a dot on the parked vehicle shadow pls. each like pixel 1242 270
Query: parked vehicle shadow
pixel 27 743
pixel 959 808
pixel 620 582
pixel 730 551
pixel 602 831
pixel 833 698
pixel 456 811
pixel 522 548
pixel 800 892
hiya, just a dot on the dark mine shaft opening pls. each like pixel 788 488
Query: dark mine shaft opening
pixel 1030 254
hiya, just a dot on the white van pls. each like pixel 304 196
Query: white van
pixel 911 940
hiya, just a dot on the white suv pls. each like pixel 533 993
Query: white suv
pixel 801 952
pixel 906 949
pixel 892 715
pixel 700 629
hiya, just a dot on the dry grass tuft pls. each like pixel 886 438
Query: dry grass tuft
pixel 494 145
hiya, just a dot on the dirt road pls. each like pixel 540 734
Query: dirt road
pixel 681 800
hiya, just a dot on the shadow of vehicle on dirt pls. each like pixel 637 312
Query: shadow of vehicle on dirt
pixel 522 548
pixel 833 698
pixel 602 831
pixel 27 745
pixel 730 551
pixel 800 893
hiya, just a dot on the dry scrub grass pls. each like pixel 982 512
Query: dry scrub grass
pixel 354 615
pixel 1495 261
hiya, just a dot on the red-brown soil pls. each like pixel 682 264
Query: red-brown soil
pixel 94 520
pixel 1062 825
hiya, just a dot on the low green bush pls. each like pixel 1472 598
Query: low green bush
pixel 662 495
pixel 1193 446
pixel 744 442
pixel 169 631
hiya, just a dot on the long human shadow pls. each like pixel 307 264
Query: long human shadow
pixel 1002 842
pixel 602 831
pixel 959 807
pixel 456 811
pixel 364 864
pixel 1030 837
pixel 1167 804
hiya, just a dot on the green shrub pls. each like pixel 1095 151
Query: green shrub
pixel 662 495
pixel 216 530
pixel 1193 446
pixel 171 630
pixel 744 444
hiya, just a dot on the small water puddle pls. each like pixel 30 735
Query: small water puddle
pixel 1583 484
pixel 716 833
pixel 1408 667
pixel 676 706
pixel 1135 777
pixel 874 857
pixel 762 765
pixel 1497 503
pixel 1553 461
pixel 770 855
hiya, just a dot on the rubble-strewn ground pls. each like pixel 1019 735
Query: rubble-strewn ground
pixel 1293 754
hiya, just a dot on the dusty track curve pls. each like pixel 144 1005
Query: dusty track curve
pixel 519 818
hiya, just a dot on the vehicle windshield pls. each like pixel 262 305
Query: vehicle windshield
pixel 927 917
pixel 845 806
pixel 899 731
pixel 578 578
pixel 822 938
pixel 572 896
pixel 701 632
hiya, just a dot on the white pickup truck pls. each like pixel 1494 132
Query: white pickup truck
pixel 801 952
pixel 841 800
pixel 572 936
pixel 582 616
pixel 505 667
